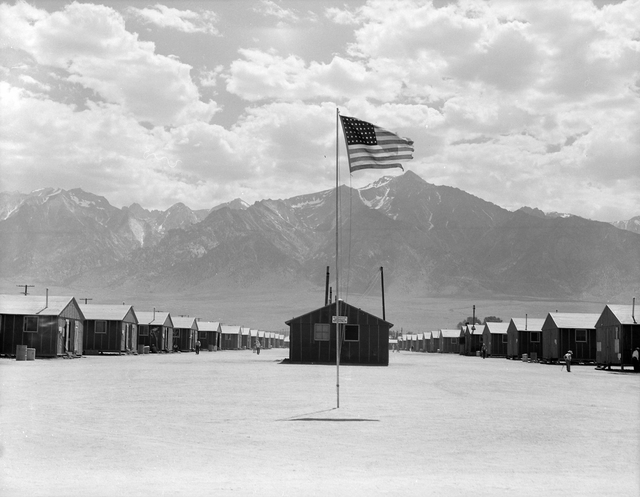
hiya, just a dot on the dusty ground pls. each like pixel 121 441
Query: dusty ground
pixel 234 423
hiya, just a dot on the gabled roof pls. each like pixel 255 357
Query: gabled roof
pixel 37 305
pixel 230 329
pixel 435 334
pixel 528 324
pixel 332 306
pixel 107 312
pixel 245 331
pixel 497 328
pixel 625 313
pixel 157 318
pixel 478 331
pixel 450 333
pixel 574 320
pixel 185 322
pixel 209 325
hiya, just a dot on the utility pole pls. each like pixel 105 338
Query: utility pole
pixel 25 288
pixel 86 299
pixel 384 318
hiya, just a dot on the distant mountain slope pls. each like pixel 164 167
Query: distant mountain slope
pixel 632 224
pixel 57 234
pixel 431 240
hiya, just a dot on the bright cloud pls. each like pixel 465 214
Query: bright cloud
pixel 520 103
pixel 186 21
pixel 91 43
pixel 271 8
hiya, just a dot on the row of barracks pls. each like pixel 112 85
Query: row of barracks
pixel 608 338
pixel 60 326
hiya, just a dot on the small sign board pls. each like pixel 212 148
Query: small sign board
pixel 339 319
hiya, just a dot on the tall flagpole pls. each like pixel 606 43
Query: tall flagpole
pixel 337 270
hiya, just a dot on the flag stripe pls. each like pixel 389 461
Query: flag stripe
pixel 369 146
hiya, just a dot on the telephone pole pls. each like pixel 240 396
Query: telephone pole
pixel 25 288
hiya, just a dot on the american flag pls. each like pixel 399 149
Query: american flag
pixel 372 147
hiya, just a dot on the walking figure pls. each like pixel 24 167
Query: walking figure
pixel 567 360
pixel 258 345
pixel 197 346
pixel 484 351
pixel 635 359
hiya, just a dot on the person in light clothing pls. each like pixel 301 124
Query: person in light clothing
pixel 567 360
pixel 635 359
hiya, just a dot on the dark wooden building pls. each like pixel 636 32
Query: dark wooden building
pixel 230 337
pixel 563 331
pixel 209 334
pixel 364 340
pixel 245 337
pixel 617 335
pixel 449 341
pixel 185 333
pixel 51 325
pixel 473 334
pixel 524 336
pixel 494 336
pixel 155 329
pixel 109 328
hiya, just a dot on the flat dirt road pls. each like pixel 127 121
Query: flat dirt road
pixel 235 423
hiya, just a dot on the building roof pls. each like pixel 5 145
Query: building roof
pixel 435 334
pixel 574 320
pixel 625 313
pixel 37 305
pixel 450 333
pixel 230 329
pixel 158 318
pixel 478 331
pixel 185 322
pixel 107 312
pixel 333 306
pixel 208 325
pixel 245 331
pixel 528 324
pixel 497 328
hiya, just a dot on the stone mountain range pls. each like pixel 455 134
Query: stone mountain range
pixel 431 240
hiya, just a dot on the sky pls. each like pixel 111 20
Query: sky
pixel 521 103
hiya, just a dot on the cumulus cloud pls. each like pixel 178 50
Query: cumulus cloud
pixel 186 21
pixel 91 43
pixel 520 103
pixel 271 8
pixel 264 75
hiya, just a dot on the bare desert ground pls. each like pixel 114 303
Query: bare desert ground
pixel 234 423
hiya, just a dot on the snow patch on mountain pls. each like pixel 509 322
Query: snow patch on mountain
pixel 137 229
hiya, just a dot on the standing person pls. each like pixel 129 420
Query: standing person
pixel 484 351
pixel 635 359
pixel 258 345
pixel 567 360
pixel 197 346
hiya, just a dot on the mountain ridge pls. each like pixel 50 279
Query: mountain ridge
pixel 431 240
